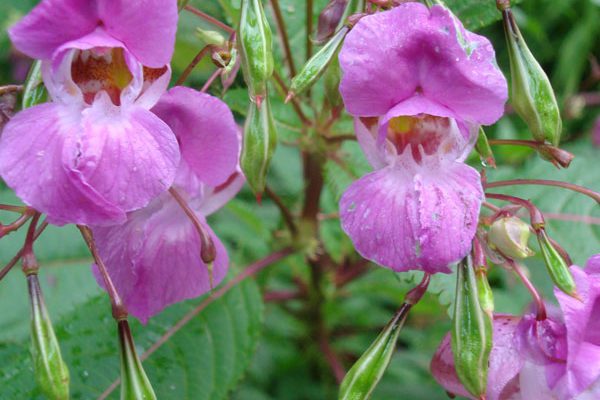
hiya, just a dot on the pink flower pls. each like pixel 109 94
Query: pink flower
pixel 96 151
pixel 154 258
pixel 557 358
pixel 419 86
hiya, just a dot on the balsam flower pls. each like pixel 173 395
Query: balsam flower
pixel 96 151
pixel 419 86
pixel 556 358
pixel 154 258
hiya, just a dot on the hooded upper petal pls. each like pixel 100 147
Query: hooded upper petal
pixel 129 155
pixel 146 27
pixel 413 216
pixel 208 135
pixel 154 259
pixel 390 56
pixel 35 154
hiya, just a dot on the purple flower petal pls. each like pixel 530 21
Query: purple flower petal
pixel 413 216
pixel 207 133
pixel 34 161
pixel 147 27
pixel 390 56
pixel 127 154
pixel 213 198
pixel 154 259
pixel 51 24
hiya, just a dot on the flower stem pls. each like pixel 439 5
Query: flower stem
pixel 309 27
pixel 536 216
pixel 283 34
pixel 16 209
pixel 19 254
pixel 546 182
pixel 201 54
pixel 211 79
pixel 541 308
pixel 209 19
pixel 10 89
pixel 285 212
pixel 294 100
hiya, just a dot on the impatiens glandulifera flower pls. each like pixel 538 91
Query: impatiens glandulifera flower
pixel 419 86
pixel 154 259
pixel 96 151
pixel 554 358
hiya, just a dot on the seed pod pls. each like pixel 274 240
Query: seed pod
pixel 471 332
pixel 482 146
pixel 260 139
pixel 556 265
pixel 332 78
pixel 314 68
pixel 486 296
pixel 51 372
pixel 34 91
pixel 361 380
pixel 509 236
pixel 181 4
pixel 255 41
pixel 531 93
pixel 135 385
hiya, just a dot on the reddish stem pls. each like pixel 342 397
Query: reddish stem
pixel 211 79
pixel 546 182
pixel 281 28
pixel 536 216
pixel 19 254
pixel 209 19
pixel 285 212
pixel 541 308
pixel 188 70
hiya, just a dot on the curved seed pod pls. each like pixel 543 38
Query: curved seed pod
pixel 556 265
pixel 260 139
pixel 510 235
pixel 314 68
pixel 471 332
pixel 34 91
pixel 51 372
pixel 332 78
pixel 531 93
pixel 134 382
pixel 255 45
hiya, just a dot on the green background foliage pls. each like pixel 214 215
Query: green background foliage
pixel 242 348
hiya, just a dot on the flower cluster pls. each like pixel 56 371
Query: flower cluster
pixel 113 140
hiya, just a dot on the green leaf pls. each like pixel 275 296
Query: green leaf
pixel 475 14
pixel 204 360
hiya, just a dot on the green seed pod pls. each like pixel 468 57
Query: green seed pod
pixel 484 291
pixel 134 382
pixel 471 332
pixel 34 91
pixel 556 265
pixel 332 78
pixel 51 372
pixel 510 235
pixel 482 146
pixel 531 93
pixel 361 380
pixel 181 4
pixel 314 68
pixel 255 41
pixel 260 139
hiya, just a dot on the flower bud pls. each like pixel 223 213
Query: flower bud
pixel 471 332
pixel 556 265
pixel 51 372
pixel 260 139
pixel 134 382
pixel 509 236
pixel 255 41
pixel 531 93
pixel 363 377
pixel 314 68
pixel 330 18
pixel 34 91
pixel 557 156
pixel 209 37
pixel 482 146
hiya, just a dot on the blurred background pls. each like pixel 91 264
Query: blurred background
pixel 250 344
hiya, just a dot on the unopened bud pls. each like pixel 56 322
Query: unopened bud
pixel 255 45
pixel 531 93
pixel 135 385
pixel 482 146
pixel 556 265
pixel 34 91
pixel 330 19
pixel 557 156
pixel 471 332
pixel 314 68
pixel 51 372
pixel 260 139
pixel 209 37
pixel 509 236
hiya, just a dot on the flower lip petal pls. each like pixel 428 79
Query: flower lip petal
pixel 207 132
pixel 154 259
pixel 33 146
pixel 410 217
pixel 146 27
pixel 51 24
pixel 390 56
pixel 128 154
